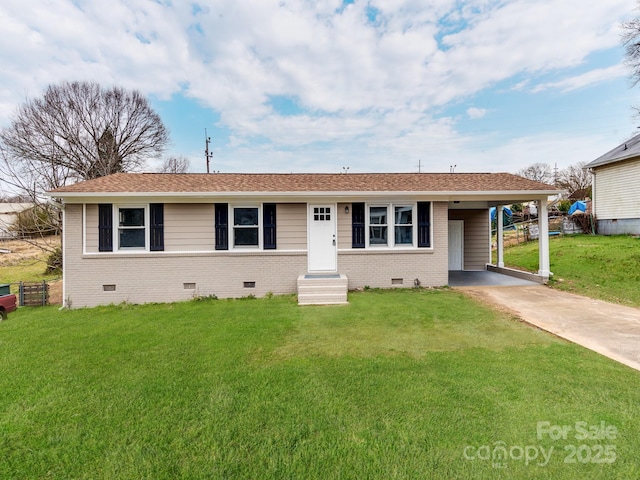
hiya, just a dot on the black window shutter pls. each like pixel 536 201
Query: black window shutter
pixel 424 224
pixel 269 225
pixel 357 225
pixel 105 227
pixel 222 226
pixel 156 212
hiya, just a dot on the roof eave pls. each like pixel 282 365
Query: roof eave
pixel 80 196
pixel 600 163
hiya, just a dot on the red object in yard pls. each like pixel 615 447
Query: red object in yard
pixel 8 303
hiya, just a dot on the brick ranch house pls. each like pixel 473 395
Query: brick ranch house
pixel 166 237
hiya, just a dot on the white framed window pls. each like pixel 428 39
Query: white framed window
pixel 378 225
pixel 391 225
pixel 132 227
pixel 246 227
pixel 403 224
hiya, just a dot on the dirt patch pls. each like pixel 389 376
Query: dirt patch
pixel 55 292
pixel 28 249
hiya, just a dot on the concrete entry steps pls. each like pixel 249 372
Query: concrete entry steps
pixel 322 289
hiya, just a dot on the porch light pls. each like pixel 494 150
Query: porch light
pixel 346 209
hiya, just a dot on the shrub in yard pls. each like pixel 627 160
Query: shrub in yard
pixel 564 206
pixel 54 261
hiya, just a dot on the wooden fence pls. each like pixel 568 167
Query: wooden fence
pixel 33 294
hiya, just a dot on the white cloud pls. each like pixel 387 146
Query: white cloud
pixel 475 113
pixel 372 88
pixel 584 80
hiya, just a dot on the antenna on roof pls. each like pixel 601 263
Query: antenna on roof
pixel 419 166
pixel 345 169
pixel 452 168
pixel 207 155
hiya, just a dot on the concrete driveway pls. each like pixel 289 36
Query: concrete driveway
pixel 609 329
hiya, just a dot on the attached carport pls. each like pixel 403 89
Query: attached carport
pixel 469 247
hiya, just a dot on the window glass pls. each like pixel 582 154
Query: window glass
pixel 132 238
pixel 403 225
pixel 245 237
pixel 378 226
pixel 245 227
pixel 245 216
pixel 131 230
pixel 132 217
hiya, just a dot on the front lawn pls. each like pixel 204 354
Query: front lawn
pixel 605 267
pixel 397 384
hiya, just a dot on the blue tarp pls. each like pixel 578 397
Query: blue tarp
pixel 506 210
pixel 578 207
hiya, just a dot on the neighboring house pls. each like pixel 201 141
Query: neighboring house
pixel 8 216
pixel 615 192
pixel 166 237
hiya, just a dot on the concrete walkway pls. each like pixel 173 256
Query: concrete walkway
pixel 609 329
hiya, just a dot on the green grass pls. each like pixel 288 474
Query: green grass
pixel 394 385
pixel 601 267
pixel 27 270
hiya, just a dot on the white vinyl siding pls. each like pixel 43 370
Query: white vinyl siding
pixel 617 195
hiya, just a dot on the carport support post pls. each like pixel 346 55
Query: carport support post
pixel 500 236
pixel 543 243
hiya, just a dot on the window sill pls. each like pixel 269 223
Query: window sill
pixel 386 251
pixel 205 253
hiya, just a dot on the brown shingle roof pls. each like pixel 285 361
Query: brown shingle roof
pixel 304 182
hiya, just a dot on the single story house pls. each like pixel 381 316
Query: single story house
pixel 153 237
pixel 615 192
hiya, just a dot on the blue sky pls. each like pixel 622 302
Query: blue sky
pixel 378 86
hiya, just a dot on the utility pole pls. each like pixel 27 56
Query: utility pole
pixel 207 155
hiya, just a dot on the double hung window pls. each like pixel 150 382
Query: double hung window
pixel 131 227
pixel 403 227
pixel 378 226
pixel 246 227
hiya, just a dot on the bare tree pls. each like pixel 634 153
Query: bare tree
pixel 575 178
pixel 75 131
pixel 631 42
pixel 540 172
pixel 175 165
pixel 79 131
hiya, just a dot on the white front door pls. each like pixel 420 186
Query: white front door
pixel 322 238
pixel 456 244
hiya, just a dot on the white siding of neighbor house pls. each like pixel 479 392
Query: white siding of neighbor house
pixel 162 276
pixel 291 226
pixel 617 190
